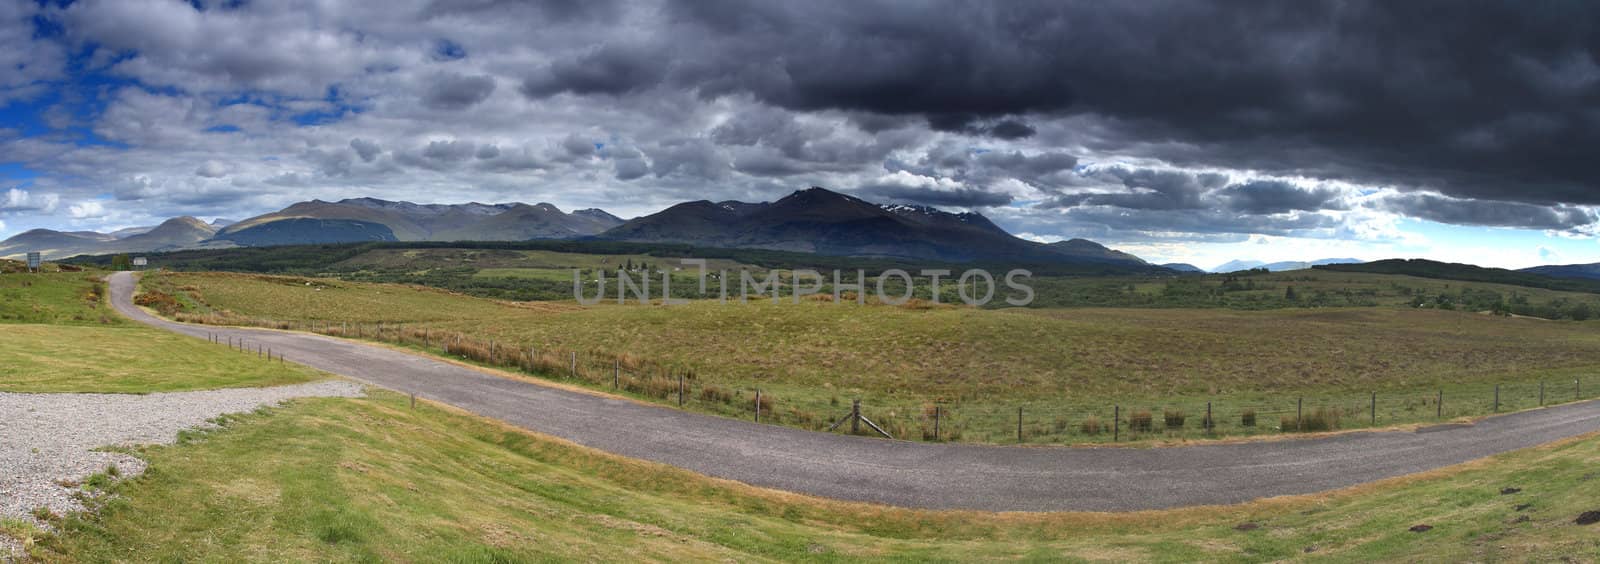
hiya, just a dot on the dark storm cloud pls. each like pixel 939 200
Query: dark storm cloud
pixel 578 146
pixel 366 149
pixel 454 91
pixel 1009 129
pixel 1274 196
pixel 1493 102
pixel 548 10
pixel 1204 221
pixel 1149 190
pixel 1499 214
pixel 960 198
pixel 610 69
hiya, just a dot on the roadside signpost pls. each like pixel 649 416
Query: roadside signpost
pixel 34 260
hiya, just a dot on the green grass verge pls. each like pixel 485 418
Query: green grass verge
pixel 76 298
pixel 371 480
pixel 56 358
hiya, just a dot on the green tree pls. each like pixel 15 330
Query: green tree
pixel 1289 294
pixel 121 262
pixel 1580 312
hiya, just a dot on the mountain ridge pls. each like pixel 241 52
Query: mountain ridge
pixel 813 220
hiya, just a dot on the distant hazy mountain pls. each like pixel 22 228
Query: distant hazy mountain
pixel 54 244
pixel 1089 250
pixel 407 221
pixel 1237 265
pixel 175 233
pixel 307 231
pixel 131 231
pixel 826 222
pixel 1583 271
pixel 1183 267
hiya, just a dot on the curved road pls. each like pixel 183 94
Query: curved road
pixel 911 474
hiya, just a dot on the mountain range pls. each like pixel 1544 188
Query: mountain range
pixel 815 220
pixel 821 221
pixel 1579 271
pixel 1237 265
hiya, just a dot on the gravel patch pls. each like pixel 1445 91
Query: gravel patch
pixel 49 439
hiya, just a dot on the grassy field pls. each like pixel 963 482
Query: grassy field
pixel 76 298
pixel 58 334
pixel 55 358
pixel 1066 368
pixel 371 480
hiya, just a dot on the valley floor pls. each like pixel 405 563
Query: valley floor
pixel 375 479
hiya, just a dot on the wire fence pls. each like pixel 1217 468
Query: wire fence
pixel 1067 420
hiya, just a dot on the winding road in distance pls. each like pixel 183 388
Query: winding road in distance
pixel 913 474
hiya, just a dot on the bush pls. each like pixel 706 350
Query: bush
pixel 1248 418
pixel 716 394
pixel 1321 419
pixel 1141 422
pixel 159 301
pixel 1174 418
pixel 1091 426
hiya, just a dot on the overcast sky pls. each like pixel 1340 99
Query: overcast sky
pixel 1180 131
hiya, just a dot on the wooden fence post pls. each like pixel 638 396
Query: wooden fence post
pixel 574 364
pixel 1019 423
pixel 936 414
pixel 758 405
pixel 1497 398
pixel 1541 393
pixel 1299 410
pixel 1374 408
pixel 1208 417
pixel 855 416
pixel 680 395
pixel 1116 424
pixel 1438 406
pixel 616 374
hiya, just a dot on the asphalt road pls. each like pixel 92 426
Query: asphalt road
pixel 911 474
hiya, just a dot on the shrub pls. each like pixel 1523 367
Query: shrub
pixel 1248 418
pixel 1141 421
pixel 716 394
pixel 1091 426
pixel 1321 419
pixel 1174 418
pixel 159 301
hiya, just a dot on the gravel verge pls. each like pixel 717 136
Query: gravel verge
pixel 49 439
